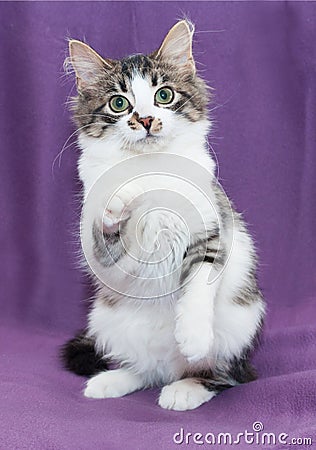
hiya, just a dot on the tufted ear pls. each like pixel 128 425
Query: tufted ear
pixel 177 45
pixel 87 64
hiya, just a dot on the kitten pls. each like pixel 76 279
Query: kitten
pixel 177 303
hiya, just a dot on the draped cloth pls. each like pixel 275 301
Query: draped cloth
pixel 260 57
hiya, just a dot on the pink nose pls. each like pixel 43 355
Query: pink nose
pixel 146 122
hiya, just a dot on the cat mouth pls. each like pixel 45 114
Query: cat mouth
pixel 149 138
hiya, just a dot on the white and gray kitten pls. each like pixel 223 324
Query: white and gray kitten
pixel 157 313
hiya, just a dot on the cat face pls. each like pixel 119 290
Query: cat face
pixel 142 102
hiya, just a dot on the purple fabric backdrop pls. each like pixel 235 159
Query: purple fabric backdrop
pixel 261 59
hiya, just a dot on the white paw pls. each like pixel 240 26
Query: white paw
pixel 194 338
pixel 184 394
pixel 115 213
pixel 103 385
pixel 111 384
pixel 118 209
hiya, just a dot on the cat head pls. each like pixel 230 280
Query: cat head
pixel 142 102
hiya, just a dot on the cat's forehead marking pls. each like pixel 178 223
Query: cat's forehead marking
pixel 142 93
pixel 140 63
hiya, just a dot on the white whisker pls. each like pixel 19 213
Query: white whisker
pixel 65 146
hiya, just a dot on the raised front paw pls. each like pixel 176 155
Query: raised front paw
pixel 118 209
pixel 194 338
pixel 115 213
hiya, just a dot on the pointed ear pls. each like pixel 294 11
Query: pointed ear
pixel 177 45
pixel 87 64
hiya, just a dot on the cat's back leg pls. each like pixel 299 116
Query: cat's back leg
pixel 185 394
pixel 113 383
pixel 190 393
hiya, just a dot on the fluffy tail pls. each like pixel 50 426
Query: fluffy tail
pixel 78 355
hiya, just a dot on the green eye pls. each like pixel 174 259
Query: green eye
pixel 164 96
pixel 118 103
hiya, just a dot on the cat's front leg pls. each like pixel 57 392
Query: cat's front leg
pixel 119 207
pixel 113 383
pixel 194 316
pixel 109 228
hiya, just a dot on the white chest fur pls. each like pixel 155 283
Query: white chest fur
pixel 141 336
